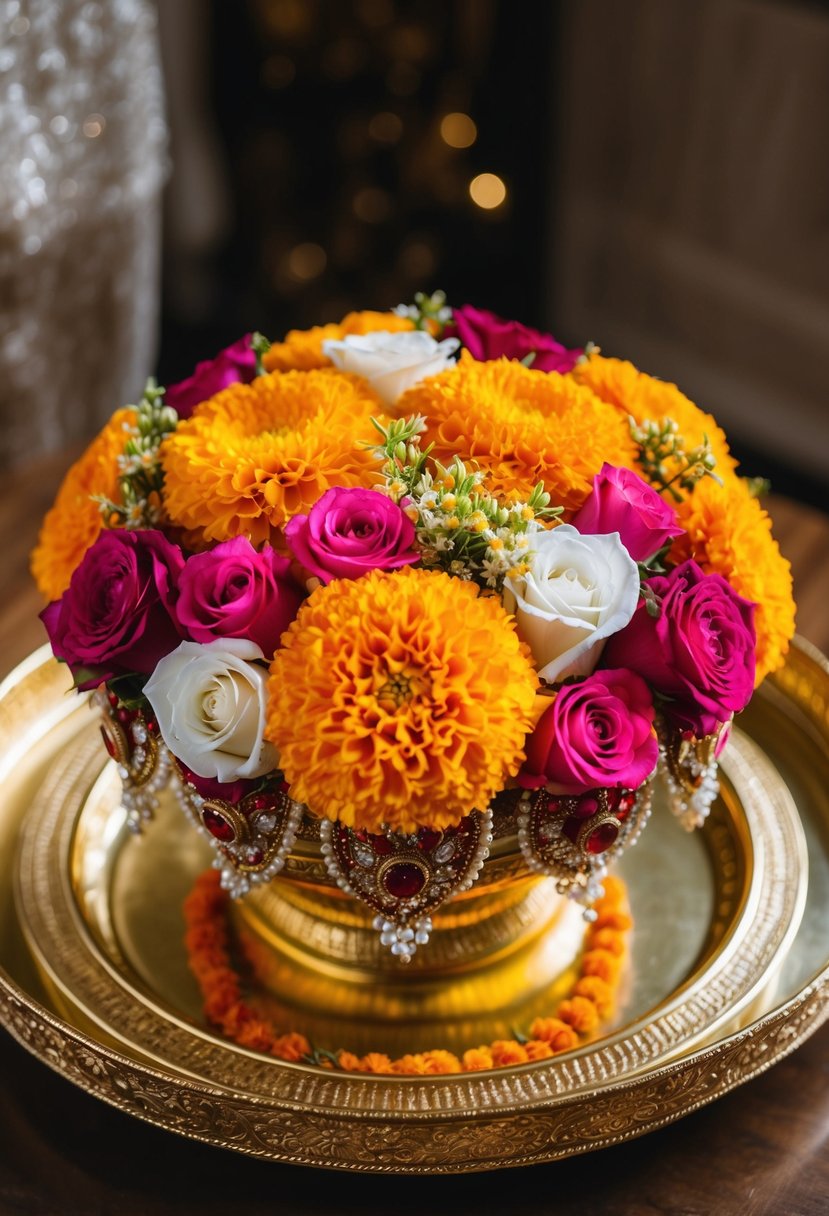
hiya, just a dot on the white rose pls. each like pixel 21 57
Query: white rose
pixel 579 591
pixel 210 701
pixel 391 362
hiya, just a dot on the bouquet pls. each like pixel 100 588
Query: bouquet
pixel 415 577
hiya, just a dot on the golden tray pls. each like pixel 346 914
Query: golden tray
pixel 729 972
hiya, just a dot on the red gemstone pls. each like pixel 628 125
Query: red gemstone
pixel 151 726
pixel 109 743
pixel 124 716
pixel 586 806
pixel 254 857
pixel 427 839
pixel 553 806
pixel 113 699
pixel 218 826
pixel 403 880
pixel 381 844
pixel 601 838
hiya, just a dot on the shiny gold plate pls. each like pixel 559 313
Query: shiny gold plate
pixel 729 967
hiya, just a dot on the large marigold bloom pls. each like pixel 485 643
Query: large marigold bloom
pixel 256 454
pixel 729 533
pixel 644 397
pixel 400 697
pixel 521 427
pixel 73 523
pixel 302 348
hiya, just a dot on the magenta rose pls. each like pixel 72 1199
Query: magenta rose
pixel 349 532
pixel 622 502
pixel 699 651
pixel 234 592
pixel 487 336
pixel 234 364
pixel 117 615
pixel 596 733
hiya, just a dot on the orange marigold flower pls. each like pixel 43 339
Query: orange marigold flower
pixel 581 1014
pixel 477 1059
pixel 521 427
pixel 438 1062
pixel 508 1051
pixel 292 1047
pixel 607 939
pixel 401 697
pixel 729 533
pixel 613 920
pixel 601 963
pixel 615 892
pixel 596 990
pixel 644 397
pixel 410 1066
pixel 348 1061
pixel 74 522
pixel 256 1035
pixel 302 348
pixel 375 1062
pixel 554 1031
pixel 538 1049
pixel 256 454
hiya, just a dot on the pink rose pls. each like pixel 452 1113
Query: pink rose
pixel 234 592
pixel 622 502
pixel 349 532
pixel 117 614
pixel 487 336
pixel 699 651
pixel 234 364
pixel 596 733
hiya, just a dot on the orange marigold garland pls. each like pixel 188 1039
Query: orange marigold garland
pixel 256 454
pixel 207 939
pixel 75 520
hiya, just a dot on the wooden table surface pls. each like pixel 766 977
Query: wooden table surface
pixel 760 1150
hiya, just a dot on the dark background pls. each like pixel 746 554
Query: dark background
pixel 664 192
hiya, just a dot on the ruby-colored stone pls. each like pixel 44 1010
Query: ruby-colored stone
pixel 381 844
pixel 553 806
pixel 403 880
pixel 254 857
pixel 601 838
pixel 613 796
pixel 259 802
pixel 124 716
pixel 218 826
pixel 427 839
pixel 626 802
pixel 109 743
pixel 586 806
pixel 151 726
pixel 113 699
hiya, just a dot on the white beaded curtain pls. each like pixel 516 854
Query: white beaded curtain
pixel 83 159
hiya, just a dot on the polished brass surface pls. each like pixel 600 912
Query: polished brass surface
pixel 103 925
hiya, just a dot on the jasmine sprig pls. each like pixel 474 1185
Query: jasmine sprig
pixel 260 345
pixel 428 312
pixel 460 526
pixel 665 460
pixel 141 478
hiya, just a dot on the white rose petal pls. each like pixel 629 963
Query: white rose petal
pixel 580 590
pixel 210 702
pixel 391 362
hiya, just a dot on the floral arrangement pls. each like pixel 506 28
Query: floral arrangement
pixel 399 570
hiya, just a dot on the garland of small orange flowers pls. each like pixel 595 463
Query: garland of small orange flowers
pixel 208 940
